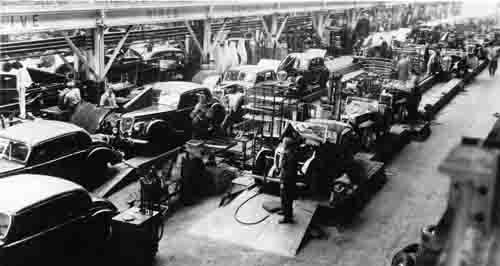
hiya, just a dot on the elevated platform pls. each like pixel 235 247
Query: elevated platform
pixel 268 236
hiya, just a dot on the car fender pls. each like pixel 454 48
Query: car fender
pixel 307 164
pixel 156 123
pixel 113 156
pixel 219 112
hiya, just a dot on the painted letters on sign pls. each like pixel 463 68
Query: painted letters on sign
pixel 24 21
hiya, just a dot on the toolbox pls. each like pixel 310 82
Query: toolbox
pixel 136 235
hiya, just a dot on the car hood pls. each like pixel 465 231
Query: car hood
pixel 89 117
pixel 150 110
pixel 7 166
pixel 243 84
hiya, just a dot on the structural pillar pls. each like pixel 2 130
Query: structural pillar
pixel 207 35
pixel 99 47
pixel 274 25
pixel 76 67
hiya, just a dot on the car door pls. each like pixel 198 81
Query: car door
pixel 63 157
pixel 51 231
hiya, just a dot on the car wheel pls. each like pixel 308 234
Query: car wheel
pixel 161 137
pixel 218 112
pixel 403 259
pixel 98 166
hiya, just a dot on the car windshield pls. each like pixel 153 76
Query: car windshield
pixel 234 75
pixel 13 150
pixel 169 97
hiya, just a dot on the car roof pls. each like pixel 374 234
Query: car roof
pixel 36 131
pixel 20 192
pixel 249 68
pixel 180 86
pixel 157 50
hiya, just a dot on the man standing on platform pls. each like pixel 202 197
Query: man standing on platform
pixel 289 166
pixel 493 61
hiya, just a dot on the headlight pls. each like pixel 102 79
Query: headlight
pixel 114 130
pixel 126 124
pixel 138 126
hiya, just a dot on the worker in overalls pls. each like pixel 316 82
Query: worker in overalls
pixel 108 98
pixel 414 97
pixel 288 172
pixel 199 118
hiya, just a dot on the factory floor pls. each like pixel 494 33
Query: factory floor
pixel 415 195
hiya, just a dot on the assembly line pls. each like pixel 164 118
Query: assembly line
pixel 225 133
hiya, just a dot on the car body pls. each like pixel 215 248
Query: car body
pixel 243 77
pixel 307 68
pixel 44 218
pixel 166 122
pixel 54 148
pixel 137 64
pixel 41 90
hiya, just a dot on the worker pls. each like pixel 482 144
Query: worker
pixel 199 118
pixel 403 68
pixel 433 63
pixel 108 98
pixel 288 172
pixel 427 55
pixel 414 97
pixel 70 97
pixel 233 102
pixel 472 61
pixel 492 67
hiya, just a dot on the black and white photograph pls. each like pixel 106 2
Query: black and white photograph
pixel 249 133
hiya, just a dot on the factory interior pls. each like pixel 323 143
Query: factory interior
pixel 243 132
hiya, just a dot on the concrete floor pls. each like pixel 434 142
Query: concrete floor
pixel 415 195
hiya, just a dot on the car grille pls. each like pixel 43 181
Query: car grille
pixel 126 125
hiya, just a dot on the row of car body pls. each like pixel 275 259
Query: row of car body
pixel 154 116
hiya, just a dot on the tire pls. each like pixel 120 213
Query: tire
pixel 424 134
pixel 161 137
pixel 98 166
pixel 218 112
pixel 403 259
pixel 261 166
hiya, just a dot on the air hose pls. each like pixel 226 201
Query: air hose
pixel 245 222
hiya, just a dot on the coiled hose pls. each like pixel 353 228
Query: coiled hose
pixel 245 222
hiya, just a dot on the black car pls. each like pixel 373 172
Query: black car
pixel 167 122
pixel 44 220
pixel 57 149
pixel 307 68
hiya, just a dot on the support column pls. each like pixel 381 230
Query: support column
pixel 76 67
pixel 99 47
pixel 274 25
pixel 318 22
pixel 207 35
